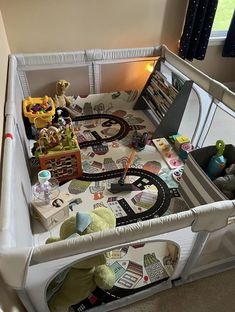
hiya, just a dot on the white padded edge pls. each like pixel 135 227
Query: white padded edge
pixel 97 77
pixel 24 83
pixel 91 79
pixel 51 58
pixel 110 238
pixel 6 236
pixel 124 234
pixel 112 54
pixel 10 103
pixel 14 264
pixel 29 59
pixel 229 99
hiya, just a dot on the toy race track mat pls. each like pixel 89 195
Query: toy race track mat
pixel 105 139
pixel 136 268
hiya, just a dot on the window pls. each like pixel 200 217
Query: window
pixel 222 21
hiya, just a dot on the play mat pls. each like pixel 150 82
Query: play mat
pixel 136 268
pixel 158 242
pixel 154 194
pixel 103 162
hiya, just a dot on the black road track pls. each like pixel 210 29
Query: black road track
pixel 163 198
pixel 124 129
pixel 159 207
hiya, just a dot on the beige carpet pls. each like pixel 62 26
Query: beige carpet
pixel 212 294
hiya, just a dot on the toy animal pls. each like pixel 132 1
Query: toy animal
pixel 84 276
pixel 227 183
pixel 60 98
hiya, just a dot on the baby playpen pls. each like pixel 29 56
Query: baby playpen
pixel 199 241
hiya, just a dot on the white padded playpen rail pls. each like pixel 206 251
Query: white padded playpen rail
pixel 199 218
pixel 215 88
pixel 94 59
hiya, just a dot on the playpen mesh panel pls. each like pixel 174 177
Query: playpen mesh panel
pixel 123 75
pixel 41 274
pixel 197 107
pixel 219 249
pixel 222 126
pixel 42 82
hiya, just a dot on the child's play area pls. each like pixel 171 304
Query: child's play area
pixel 110 197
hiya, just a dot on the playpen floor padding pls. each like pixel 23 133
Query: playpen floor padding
pixel 97 160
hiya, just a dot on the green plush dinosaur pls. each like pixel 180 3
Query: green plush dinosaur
pixel 84 276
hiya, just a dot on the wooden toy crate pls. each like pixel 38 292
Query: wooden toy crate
pixel 195 186
pixel 64 165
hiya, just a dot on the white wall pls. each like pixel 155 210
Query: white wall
pixel 216 66
pixel 56 25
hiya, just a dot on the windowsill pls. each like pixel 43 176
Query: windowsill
pixel 217 37
pixel 216 41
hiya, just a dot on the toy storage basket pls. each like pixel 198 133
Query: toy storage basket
pixel 40 119
pixel 196 187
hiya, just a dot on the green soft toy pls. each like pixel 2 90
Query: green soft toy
pixel 84 276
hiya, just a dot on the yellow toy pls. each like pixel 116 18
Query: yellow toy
pixel 39 110
pixel 84 276
pixel 179 140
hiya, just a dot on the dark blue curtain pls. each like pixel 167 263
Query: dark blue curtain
pixel 229 45
pixel 197 28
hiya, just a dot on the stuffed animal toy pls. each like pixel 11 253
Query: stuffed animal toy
pixel 60 97
pixel 61 100
pixel 84 276
pixel 227 183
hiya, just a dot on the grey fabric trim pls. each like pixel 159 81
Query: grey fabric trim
pixel 22 294
pixel 50 58
pixel 196 252
pixel 194 190
pixel 216 90
pixel 24 83
pixel 205 182
pixel 185 196
pixel 142 294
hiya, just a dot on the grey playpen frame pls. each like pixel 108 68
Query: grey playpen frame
pixel 16 260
